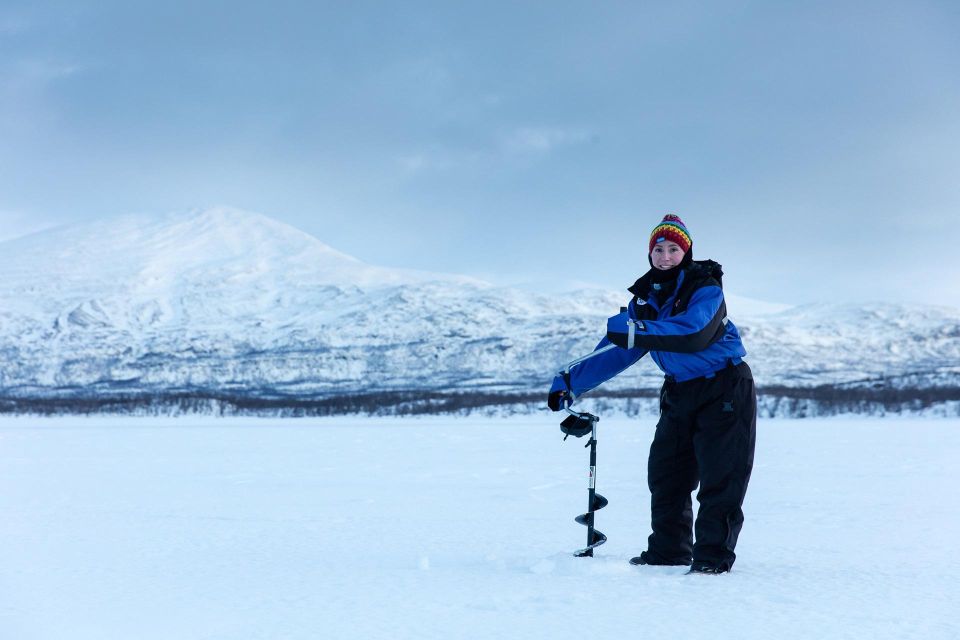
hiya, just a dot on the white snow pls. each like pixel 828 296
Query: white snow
pixel 441 528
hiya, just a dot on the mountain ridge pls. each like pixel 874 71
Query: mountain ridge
pixel 226 301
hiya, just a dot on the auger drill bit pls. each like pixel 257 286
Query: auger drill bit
pixel 579 425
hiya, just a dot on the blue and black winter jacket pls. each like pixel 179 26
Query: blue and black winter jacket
pixel 688 335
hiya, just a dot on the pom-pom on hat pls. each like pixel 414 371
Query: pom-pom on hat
pixel 671 228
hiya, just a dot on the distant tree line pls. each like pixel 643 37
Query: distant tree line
pixel 833 400
pixel 774 400
pixel 207 402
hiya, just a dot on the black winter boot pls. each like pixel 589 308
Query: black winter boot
pixel 707 568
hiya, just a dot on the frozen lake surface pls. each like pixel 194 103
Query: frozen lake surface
pixel 202 528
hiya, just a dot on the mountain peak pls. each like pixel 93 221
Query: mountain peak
pixel 206 247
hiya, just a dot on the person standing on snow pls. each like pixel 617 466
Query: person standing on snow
pixel 708 404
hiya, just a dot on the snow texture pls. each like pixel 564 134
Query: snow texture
pixel 436 528
pixel 231 301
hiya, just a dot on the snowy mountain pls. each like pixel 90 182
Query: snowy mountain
pixel 229 302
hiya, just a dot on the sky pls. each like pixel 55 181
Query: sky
pixel 811 148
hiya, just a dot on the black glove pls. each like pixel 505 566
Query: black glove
pixel 559 394
pixel 557 400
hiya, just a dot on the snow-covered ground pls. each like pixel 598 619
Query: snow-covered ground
pixel 184 529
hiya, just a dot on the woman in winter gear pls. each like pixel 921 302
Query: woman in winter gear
pixel 708 404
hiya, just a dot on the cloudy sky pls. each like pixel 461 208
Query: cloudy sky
pixel 813 148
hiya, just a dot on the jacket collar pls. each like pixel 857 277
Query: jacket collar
pixel 696 270
pixel 643 287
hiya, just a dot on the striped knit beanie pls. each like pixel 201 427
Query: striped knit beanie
pixel 671 228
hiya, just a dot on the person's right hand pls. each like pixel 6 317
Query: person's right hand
pixel 559 395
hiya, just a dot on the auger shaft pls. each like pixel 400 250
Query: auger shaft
pixel 591 490
pixel 578 425
pixel 595 501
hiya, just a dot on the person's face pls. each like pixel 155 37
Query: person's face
pixel 666 255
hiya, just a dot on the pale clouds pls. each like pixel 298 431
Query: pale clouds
pixel 436 159
pixel 522 142
pixel 12 25
pixel 31 72
pixel 413 163
pixel 542 140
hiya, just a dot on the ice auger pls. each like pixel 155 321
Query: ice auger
pixel 579 424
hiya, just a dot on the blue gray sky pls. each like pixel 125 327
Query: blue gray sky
pixel 812 148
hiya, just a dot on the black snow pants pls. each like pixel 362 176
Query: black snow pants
pixel 706 436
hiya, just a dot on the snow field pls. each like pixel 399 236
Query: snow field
pixel 201 528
